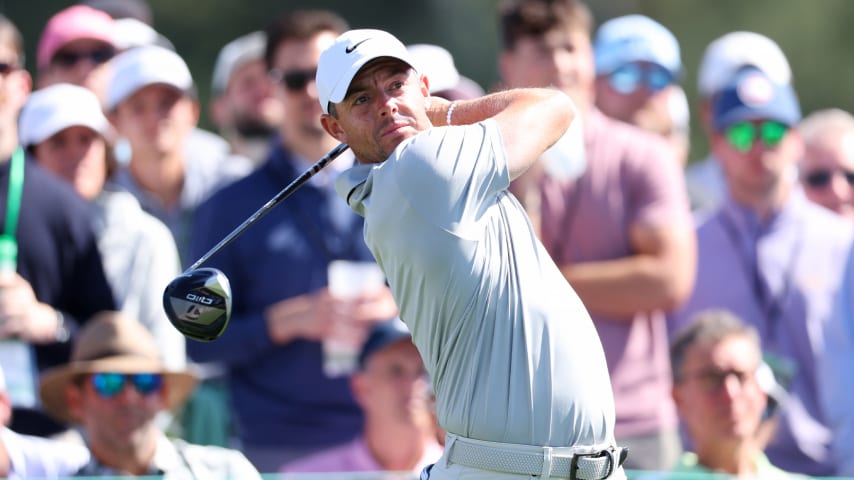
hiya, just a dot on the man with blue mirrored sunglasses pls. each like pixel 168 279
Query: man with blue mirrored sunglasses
pixel 638 67
pixel 114 387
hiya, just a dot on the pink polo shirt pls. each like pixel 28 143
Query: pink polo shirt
pixel 632 177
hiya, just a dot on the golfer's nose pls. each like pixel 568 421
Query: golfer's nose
pixel 389 104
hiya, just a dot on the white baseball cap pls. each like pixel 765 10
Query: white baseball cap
pixel 52 109
pixel 437 63
pixel 351 51
pixel 729 53
pixel 131 33
pixel 239 51
pixel 143 66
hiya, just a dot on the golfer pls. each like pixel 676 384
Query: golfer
pixel 520 377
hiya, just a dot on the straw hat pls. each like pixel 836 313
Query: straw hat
pixel 110 342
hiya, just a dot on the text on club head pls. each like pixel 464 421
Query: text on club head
pixel 199 299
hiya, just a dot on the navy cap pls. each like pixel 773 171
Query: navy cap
pixel 381 336
pixel 751 95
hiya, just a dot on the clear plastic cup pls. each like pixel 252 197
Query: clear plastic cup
pixel 348 279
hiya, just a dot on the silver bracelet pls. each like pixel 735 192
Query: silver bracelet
pixel 451 108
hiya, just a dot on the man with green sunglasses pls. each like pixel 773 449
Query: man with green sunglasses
pixel 772 257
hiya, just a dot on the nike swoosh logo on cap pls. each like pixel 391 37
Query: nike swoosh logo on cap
pixel 350 49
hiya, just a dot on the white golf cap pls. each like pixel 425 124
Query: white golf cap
pixel 143 66
pixel 132 33
pixel 237 52
pixel 729 53
pixel 437 64
pixel 351 51
pixel 52 109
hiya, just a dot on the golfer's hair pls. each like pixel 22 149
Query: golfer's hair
pixel 10 36
pixel 708 327
pixel 535 18
pixel 301 25
pixel 823 123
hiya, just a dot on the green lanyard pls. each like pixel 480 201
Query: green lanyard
pixel 8 244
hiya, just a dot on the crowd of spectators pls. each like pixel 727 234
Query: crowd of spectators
pixel 722 288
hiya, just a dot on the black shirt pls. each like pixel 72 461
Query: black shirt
pixel 58 254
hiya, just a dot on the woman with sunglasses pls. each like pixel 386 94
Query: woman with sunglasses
pixel 76 47
pixel 827 167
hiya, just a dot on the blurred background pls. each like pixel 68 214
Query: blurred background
pixel 816 35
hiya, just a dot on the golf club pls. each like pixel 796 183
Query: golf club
pixel 198 302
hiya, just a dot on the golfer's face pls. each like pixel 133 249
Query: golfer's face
pixel 384 106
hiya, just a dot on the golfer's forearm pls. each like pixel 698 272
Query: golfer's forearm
pixel 530 121
pixel 478 109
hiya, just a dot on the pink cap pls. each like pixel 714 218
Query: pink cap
pixel 73 23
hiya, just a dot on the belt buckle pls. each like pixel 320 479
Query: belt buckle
pixel 617 457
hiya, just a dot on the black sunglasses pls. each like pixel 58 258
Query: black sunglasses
pixel 295 80
pixel 821 178
pixel 97 56
pixel 712 379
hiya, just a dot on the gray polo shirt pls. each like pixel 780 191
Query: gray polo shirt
pixel 511 350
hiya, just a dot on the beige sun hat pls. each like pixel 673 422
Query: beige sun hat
pixel 111 342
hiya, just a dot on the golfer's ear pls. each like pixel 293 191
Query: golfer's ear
pixel 425 85
pixel 332 127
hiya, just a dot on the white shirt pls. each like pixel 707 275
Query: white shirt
pixel 37 457
pixel 140 258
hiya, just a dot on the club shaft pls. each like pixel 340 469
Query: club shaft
pixel 283 194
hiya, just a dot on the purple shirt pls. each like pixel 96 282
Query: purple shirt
pixel 355 456
pixel 632 177
pixel 780 277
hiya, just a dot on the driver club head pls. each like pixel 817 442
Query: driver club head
pixel 198 303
